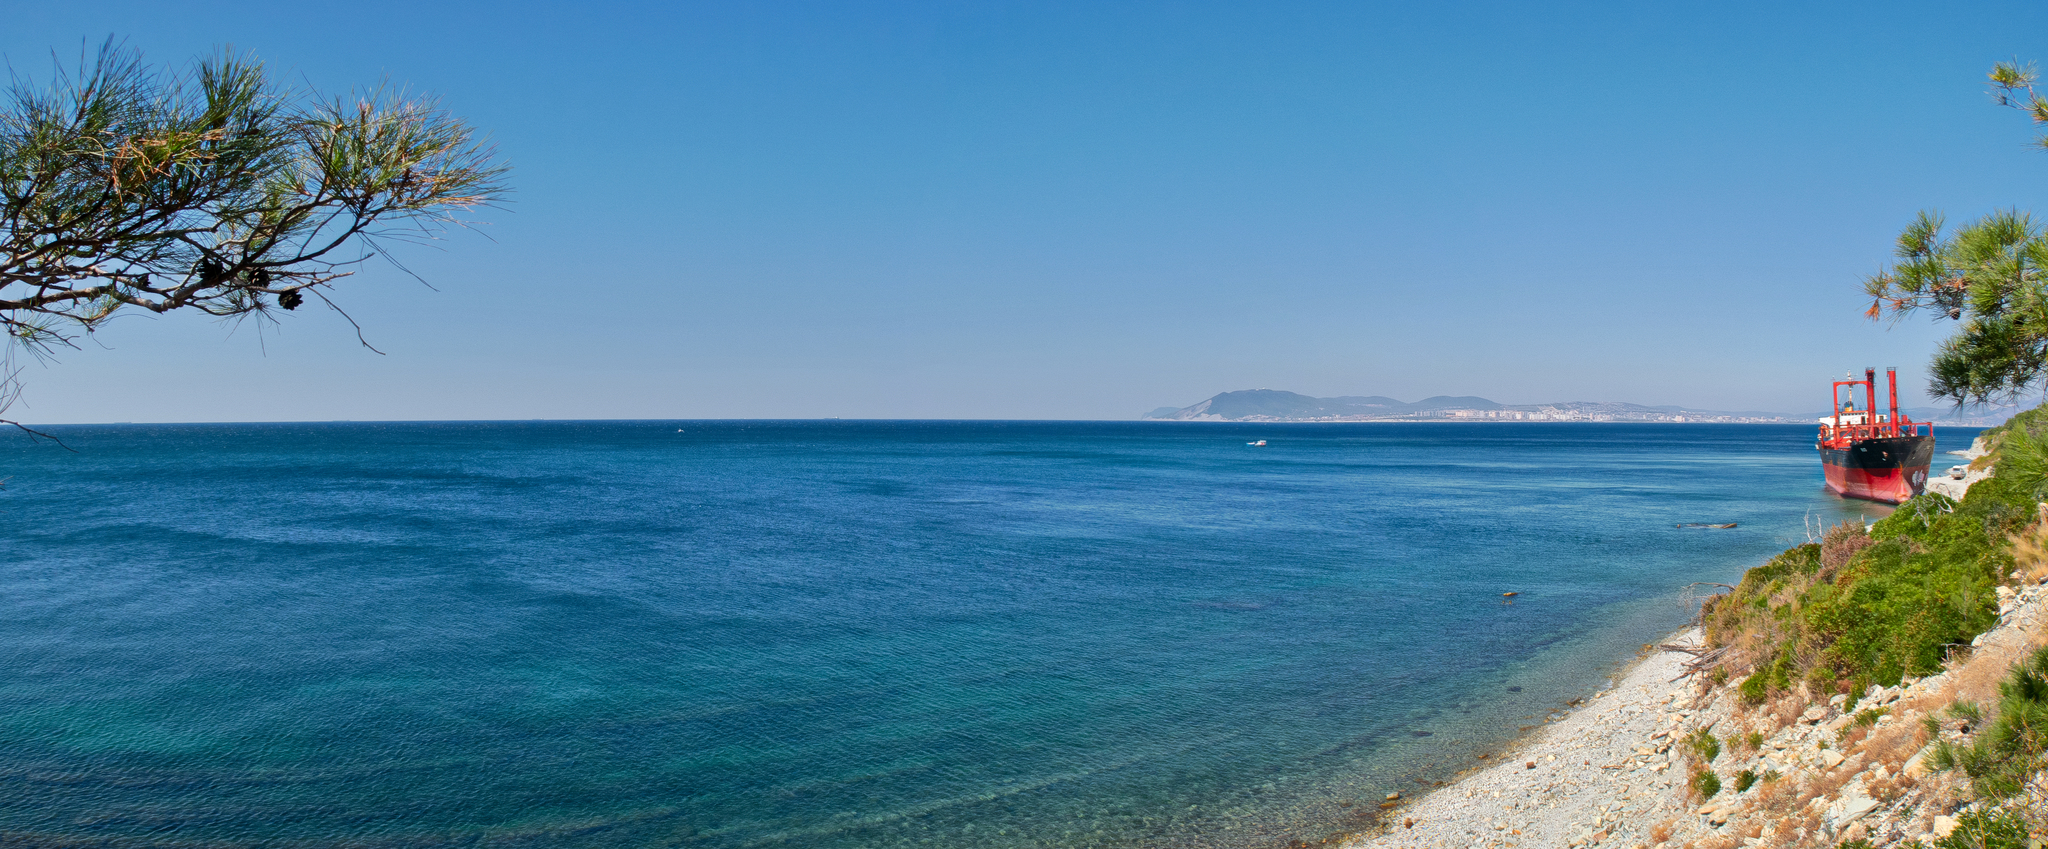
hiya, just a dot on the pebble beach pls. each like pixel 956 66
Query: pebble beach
pixel 1603 773
pixel 1614 772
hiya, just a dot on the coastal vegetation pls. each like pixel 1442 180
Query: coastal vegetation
pixel 1988 829
pixel 1865 607
pixel 1873 605
pixel 210 188
pixel 1863 610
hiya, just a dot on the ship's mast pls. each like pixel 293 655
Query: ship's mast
pixel 1835 401
pixel 1891 379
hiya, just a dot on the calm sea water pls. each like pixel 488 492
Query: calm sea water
pixel 826 634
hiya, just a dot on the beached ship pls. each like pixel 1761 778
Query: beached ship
pixel 1872 455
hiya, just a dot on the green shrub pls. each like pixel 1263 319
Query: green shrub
pixel 1704 745
pixel 1993 829
pixel 1768 678
pixel 1706 783
pixel 1896 608
pixel 1744 780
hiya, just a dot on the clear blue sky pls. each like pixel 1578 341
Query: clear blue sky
pixel 1087 210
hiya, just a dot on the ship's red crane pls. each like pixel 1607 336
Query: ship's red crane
pixel 1851 423
pixel 1866 454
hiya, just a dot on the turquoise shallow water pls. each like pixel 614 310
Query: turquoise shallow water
pixel 858 634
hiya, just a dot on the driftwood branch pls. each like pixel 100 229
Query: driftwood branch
pixel 1703 658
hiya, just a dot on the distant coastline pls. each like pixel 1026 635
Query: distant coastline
pixel 1277 406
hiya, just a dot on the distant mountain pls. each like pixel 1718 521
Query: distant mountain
pixel 1273 405
pixel 1979 415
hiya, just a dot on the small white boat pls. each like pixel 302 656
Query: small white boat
pixel 1260 442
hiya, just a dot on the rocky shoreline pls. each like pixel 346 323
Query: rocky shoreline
pixel 1602 774
pixel 1797 771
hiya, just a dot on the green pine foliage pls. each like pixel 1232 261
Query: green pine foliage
pixel 1990 277
pixel 1988 829
pixel 1987 275
pixel 2015 745
pixel 216 187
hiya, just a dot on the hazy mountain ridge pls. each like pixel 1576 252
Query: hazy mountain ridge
pixel 1273 405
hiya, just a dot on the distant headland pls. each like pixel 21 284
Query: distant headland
pixel 1273 405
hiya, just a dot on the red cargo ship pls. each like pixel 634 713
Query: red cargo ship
pixel 1871 455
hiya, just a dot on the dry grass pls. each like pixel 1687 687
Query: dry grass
pixel 1890 788
pixel 1822 786
pixel 1777 798
pixel 1785 711
pixel 2030 551
pixel 1802 827
pixel 1781 804
pixel 1790 812
pixel 1894 744
pixel 1750 638
pixel 1978 678
pixel 1851 737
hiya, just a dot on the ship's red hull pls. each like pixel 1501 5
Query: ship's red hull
pixel 1890 470
pixel 1890 486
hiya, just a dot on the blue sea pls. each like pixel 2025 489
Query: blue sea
pixel 829 634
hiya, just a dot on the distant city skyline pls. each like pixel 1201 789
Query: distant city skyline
pixel 1086 211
